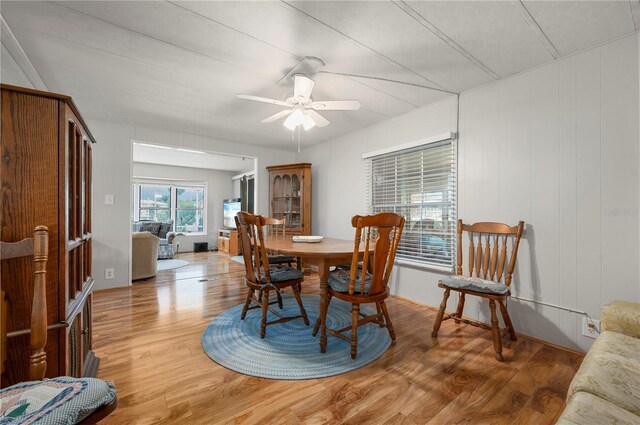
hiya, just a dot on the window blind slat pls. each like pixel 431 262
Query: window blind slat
pixel 419 183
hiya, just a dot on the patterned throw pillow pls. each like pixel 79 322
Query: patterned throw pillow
pixel 151 227
pixel 164 229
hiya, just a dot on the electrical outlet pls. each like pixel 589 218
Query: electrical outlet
pixel 590 327
pixel 109 274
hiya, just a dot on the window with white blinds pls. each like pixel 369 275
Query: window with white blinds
pixel 419 183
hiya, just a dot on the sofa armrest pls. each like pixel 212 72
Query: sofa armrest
pixel 622 317
pixel 170 237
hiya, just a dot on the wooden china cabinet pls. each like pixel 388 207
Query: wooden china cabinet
pixel 45 179
pixel 290 196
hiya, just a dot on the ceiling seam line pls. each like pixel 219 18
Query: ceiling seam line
pixel 287 52
pixel 145 35
pixel 535 27
pixel 387 80
pixel 235 29
pixel 445 38
pixel 636 25
pixel 119 55
pixel 201 54
pixel 353 40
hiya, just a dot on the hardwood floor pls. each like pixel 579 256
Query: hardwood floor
pixel 148 337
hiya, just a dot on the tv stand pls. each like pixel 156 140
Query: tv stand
pixel 229 241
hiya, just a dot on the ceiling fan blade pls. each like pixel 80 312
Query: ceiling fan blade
pixel 262 99
pixel 277 116
pixel 336 105
pixel 317 118
pixel 302 86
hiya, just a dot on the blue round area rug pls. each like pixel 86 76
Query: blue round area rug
pixel 289 351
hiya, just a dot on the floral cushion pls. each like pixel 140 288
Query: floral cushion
pixel 339 281
pixel 585 408
pixel 611 371
pixel 622 317
pixel 58 401
pixel 474 284
pixel 282 273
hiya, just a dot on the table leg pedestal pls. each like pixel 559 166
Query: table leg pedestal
pixel 323 271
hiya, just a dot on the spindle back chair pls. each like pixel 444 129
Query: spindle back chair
pixel 381 235
pixel 38 248
pixel 277 228
pixel 490 269
pixel 262 276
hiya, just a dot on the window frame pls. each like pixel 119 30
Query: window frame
pixel 173 185
pixel 422 261
pixel 139 196
pixel 176 208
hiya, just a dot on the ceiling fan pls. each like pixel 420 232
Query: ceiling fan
pixel 302 108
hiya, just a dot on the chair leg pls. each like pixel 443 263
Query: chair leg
pixel 279 299
pixel 316 327
pixel 247 302
pixel 507 321
pixel 495 329
pixel 443 307
pixel 265 309
pixel 380 315
pixel 355 316
pixel 460 308
pixel 296 294
pixel 392 333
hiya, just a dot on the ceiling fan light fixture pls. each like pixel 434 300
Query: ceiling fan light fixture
pixel 308 123
pixel 295 119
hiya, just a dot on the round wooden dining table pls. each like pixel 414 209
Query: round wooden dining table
pixel 329 252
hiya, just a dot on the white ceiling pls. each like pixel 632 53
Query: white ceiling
pixel 182 157
pixel 179 64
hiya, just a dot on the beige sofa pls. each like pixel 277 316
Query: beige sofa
pixel 144 255
pixel 606 389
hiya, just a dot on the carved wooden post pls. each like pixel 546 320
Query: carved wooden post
pixel 38 359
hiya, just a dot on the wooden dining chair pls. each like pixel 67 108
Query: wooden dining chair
pixel 86 400
pixel 381 234
pixel 263 277
pixel 486 272
pixel 277 227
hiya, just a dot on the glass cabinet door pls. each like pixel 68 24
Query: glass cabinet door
pixel 286 198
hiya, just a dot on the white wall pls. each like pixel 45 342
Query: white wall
pixel 112 175
pixel 111 223
pixel 219 187
pixel 558 147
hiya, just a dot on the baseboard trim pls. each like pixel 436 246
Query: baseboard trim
pixel 531 338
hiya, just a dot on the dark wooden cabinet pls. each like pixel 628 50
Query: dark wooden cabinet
pixel 45 179
pixel 290 196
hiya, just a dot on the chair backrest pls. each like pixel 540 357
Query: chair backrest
pixel 489 262
pixel 38 247
pixel 386 229
pixel 251 233
pixel 276 227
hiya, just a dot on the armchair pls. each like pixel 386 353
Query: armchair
pixel 163 231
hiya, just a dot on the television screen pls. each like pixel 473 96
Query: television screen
pixel 231 208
